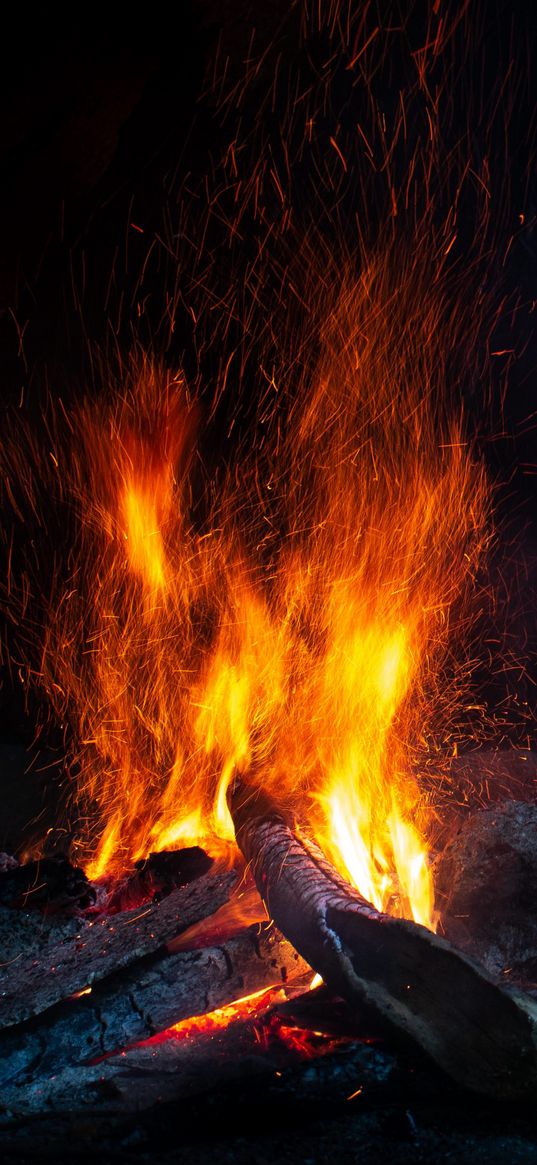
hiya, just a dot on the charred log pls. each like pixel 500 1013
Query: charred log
pixel 33 985
pixel 483 1035
pixel 145 999
pixel 50 884
pixel 157 875
pixel 292 1026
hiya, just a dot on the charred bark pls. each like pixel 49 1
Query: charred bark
pixel 31 985
pixel 144 1000
pixel 49 884
pixel 483 1035
pixel 157 876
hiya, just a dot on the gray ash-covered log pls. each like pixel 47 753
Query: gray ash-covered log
pixel 151 995
pixel 261 1038
pixel 103 946
pixel 122 979
pixel 483 1035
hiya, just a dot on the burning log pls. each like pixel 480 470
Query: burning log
pixel 483 1035
pixel 122 979
pixel 33 985
pixel 145 999
pixel 266 1036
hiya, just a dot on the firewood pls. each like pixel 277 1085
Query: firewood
pixel 48 884
pixel 156 876
pixel 31 985
pixel 144 999
pixel 249 1044
pixel 483 1035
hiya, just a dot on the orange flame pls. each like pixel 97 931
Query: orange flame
pixel 298 630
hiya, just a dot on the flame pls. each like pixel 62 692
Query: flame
pixel 304 657
pixel 298 605
pixel 244 908
pixel 142 532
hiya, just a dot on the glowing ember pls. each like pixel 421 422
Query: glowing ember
pixel 248 1007
pixel 257 1008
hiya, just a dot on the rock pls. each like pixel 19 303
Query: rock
pixel 486 886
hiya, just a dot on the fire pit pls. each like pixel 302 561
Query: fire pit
pixel 262 608
pixel 94 991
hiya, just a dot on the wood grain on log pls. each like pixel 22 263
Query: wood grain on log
pixel 177 1069
pixel 146 998
pixel 481 1034
pixel 32 985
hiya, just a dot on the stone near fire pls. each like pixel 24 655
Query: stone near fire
pixel 486 886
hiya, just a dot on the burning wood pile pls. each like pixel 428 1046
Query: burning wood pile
pixel 265 695
pixel 248 586
pixel 93 970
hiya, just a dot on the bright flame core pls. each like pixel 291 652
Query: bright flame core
pixel 297 633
